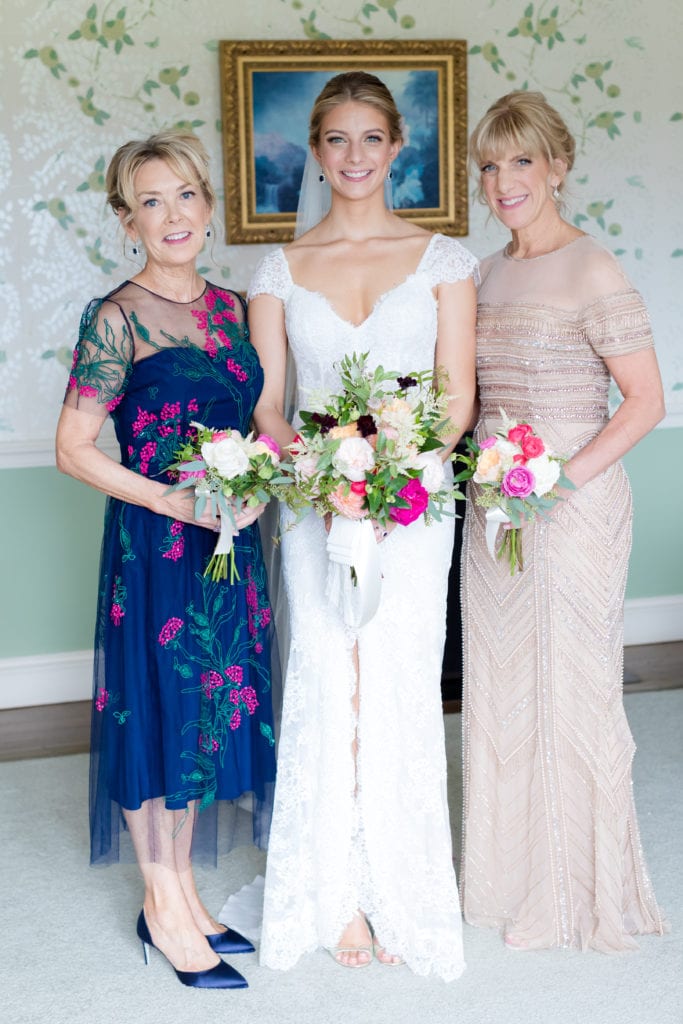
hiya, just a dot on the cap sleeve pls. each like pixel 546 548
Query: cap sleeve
pixel 617 324
pixel 102 359
pixel 271 277
pixel 447 261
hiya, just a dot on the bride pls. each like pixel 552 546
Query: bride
pixel 360 855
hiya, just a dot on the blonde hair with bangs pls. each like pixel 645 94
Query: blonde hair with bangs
pixel 180 149
pixel 526 122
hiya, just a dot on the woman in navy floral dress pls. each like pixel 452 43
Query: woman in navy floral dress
pixel 182 737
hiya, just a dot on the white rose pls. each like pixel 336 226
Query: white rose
pixel 432 471
pixel 306 467
pixel 507 451
pixel 226 457
pixel 546 473
pixel 354 458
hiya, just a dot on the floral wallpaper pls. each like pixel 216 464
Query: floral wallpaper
pixel 82 78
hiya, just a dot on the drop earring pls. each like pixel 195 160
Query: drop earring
pixel 208 231
pixel 556 193
pixel 389 174
pixel 321 176
pixel 136 247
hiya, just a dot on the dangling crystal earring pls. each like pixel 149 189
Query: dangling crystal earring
pixel 556 193
pixel 321 176
pixel 208 231
pixel 136 249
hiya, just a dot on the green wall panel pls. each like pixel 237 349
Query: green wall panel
pixel 51 528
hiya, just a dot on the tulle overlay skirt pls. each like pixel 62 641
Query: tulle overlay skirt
pixel 182 709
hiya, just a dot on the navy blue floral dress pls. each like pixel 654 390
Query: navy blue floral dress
pixel 182 708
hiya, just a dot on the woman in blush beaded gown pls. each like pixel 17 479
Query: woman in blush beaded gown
pixel 360 849
pixel 182 733
pixel 552 854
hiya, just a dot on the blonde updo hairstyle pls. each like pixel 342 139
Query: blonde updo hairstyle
pixel 180 149
pixel 354 87
pixel 523 121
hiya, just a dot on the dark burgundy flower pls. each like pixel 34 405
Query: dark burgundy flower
pixel 366 425
pixel 325 421
pixel 406 382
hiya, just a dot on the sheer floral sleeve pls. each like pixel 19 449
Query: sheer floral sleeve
pixel 102 359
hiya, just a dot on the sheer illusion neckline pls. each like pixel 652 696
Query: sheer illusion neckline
pixel 164 298
pixel 378 301
pixel 543 255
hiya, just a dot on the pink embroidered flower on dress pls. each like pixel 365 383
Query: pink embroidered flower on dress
pixel 192 405
pixel 211 681
pixel 87 391
pixel 234 697
pixel 142 420
pixel 176 550
pixel 208 744
pixel 235 673
pixel 236 719
pixel 102 699
pixel 248 694
pixel 147 453
pixel 170 630
pixel 114 402
pixel 236 369
pixel 265 616
pixel 170 410
pixel 116 613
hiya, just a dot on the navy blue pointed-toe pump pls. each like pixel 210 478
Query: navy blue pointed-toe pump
pixel 220 976
pixel 229 941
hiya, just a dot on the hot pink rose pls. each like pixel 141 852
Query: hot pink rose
pixel 532 446
pixel 359 487
pixel 488 442
pixel 518 433
pixel 518 482
pixel 418 497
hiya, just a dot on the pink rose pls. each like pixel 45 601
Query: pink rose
pixel 518 433
pixel 219 435
pixel 518 482
pixel 351 505
pixel 417 496
pixel 488 442
pixel 532 446
pixel 270 442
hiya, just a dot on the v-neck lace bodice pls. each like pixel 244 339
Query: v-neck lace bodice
pixel 398 332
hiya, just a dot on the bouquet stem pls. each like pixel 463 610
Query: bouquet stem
pixel 511 548
pixel 217 568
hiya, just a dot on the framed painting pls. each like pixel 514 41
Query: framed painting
pixel 267 92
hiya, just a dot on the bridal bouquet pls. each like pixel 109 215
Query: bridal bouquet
pixel 231 472
pixel 369 452
pixel 518 475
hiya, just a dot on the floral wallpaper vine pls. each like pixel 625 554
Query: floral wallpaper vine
pixel 84 77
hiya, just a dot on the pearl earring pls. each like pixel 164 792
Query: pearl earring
pixel 556 193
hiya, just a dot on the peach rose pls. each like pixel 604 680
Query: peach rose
pixel 350 430
pixel 348 505
pixel 489 467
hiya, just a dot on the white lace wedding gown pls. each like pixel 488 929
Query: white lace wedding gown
pixel 375 835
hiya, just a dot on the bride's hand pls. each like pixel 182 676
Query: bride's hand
pixel 382 532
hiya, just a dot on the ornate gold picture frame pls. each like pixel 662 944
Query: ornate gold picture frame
pixel 267 91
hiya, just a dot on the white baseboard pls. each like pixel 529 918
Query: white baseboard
pixel 653 620
pixel 60 678
pixel 45 679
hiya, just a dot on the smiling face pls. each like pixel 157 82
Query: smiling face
pixel 355 149
pixel 518 188
pixel 171 215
